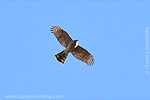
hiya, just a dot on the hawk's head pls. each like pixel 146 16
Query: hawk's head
pixel 76 42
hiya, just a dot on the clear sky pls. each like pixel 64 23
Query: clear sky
pixel 113 31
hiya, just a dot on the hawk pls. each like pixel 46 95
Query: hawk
pixel 71 46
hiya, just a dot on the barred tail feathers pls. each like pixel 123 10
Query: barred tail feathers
pixel 61 57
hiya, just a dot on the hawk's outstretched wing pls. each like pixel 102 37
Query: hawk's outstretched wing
pixel 83 55
pixel 61 35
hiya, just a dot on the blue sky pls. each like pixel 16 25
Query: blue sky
pixel 113 31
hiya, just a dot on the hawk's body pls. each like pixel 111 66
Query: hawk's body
pixel 71 46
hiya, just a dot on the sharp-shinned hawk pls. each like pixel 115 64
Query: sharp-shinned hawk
pixel 71 46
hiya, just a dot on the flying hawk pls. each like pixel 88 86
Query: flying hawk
pixel 71 46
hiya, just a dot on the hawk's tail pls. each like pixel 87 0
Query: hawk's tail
pixel 61 57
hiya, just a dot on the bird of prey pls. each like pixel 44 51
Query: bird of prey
pixel 71 46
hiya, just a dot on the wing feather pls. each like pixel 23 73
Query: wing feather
pixel 61 35
pixel 83 55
